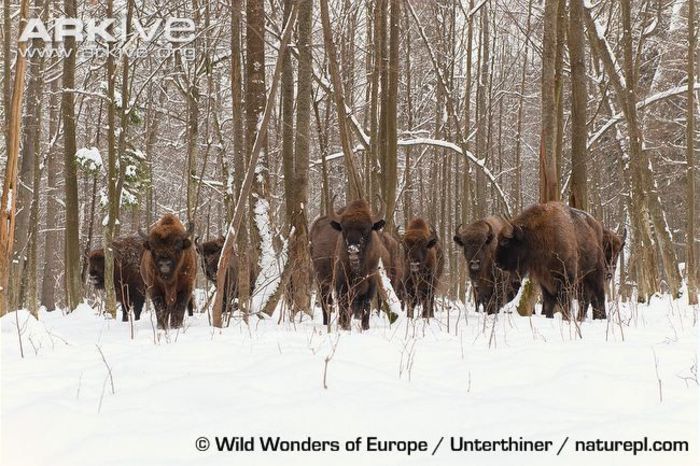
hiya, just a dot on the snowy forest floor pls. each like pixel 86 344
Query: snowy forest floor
pixel 487 378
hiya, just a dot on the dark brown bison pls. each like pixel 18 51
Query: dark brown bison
pixel 128 284
pixel 324 239
pixel 612 245
pixel 169 269
pixel 560 248
pixel 359 248
pixel 424 265
pixel 493 287
pixel 209 253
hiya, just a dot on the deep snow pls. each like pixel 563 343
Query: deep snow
pixel 409 381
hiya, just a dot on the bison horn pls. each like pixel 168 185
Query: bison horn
pixel 142 234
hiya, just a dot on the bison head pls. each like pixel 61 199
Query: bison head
pixel 356 232
pixel 167 247
pixel 416 250
pixel 511 248
pixel 96 269
pixel 476 241
pixel 612 245
pixel 209 253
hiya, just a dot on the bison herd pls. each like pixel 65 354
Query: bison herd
pixel 566 251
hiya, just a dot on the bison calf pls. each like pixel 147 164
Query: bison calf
pixel 169 269
pixel 128 284
pixel 493 287
pixel 359 248
pixel 424 265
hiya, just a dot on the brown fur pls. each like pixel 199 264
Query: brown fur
pixel 169 269
pixel 612 245
pixel 128 284
pixel 209 253
pixel 560 249
pixel 323 240
pixel 424 265
pixel 493 287
pixel 591 265
pixel 359 248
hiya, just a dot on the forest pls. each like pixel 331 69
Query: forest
pixel 450 111
pixel 222 158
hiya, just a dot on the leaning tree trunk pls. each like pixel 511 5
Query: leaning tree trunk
pixel 9 190
pixel 690 267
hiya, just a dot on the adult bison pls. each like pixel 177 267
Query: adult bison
pixel 493 287
pixel 424 265
pixel 128 284
pixel 359 248
pixel 169 269
pixel 324 239
pixel 209 253
pixel 612 245
pixel 561 250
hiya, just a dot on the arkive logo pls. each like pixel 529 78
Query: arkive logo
pixel 173 29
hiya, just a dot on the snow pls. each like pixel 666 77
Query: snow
pixel 486 378
pixel 89 159
pixel 270 265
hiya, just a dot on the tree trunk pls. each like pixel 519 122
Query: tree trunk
pixel 9 190
pixel 549 183
pixel 579 100
pixel 73 286
pixel 690 262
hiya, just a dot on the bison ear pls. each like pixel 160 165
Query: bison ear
pixel 378 225
pixel 186 243
pixel 336 225
pixel 431 243
pixel 458 240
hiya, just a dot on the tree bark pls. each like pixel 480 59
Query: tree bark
pixel 549 183
pixel 690 262
pixel 579 101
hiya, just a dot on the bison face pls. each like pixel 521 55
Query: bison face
pixel 357 236
pixel 612 247
pixel 97 270
pixel 476 243
pixel 209 253
pixel 417 252
pixel 167 253
pixel 510 250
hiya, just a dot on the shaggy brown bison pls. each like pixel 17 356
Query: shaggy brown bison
pixel 493 287
pixel 359 248
pixel 612 245
pixel 560 249
pixel 169 269
pixel 424 265
pixel 209 253
pixel 324 239
pixel 128 284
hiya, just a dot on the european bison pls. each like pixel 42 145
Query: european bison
pixel 559 249
pixel 359 248
pixel 128 284
pixel 324 239
pixel 169 269
pixel 209 253
pixel 493 287
pixel 612 245
pixel 424 265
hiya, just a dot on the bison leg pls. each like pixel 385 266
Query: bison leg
pixel 125 312
pixel 597 291
pixel 548 303
pixel 138 306
pixel 366 311
pixel 161 311
pixel 177 315
pixel 190 307
pixel 344 309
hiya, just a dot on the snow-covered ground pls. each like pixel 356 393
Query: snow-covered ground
pixel 484 379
